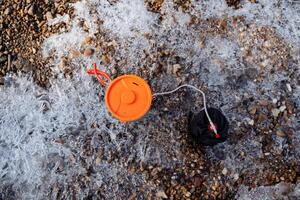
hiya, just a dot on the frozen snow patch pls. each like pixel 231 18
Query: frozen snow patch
pixel 126 18
pixel 280 191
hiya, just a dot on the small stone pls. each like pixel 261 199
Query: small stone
pixel 251 122
pixel 98 161
pixel 161 194
pixel 114 71
pixel 202 44
pixel 264 102
pixel 261 118
pixel 176 68
pixel 280 133
pixel 282 108
pixel 267 154
pixel 252 110
pixel 59 141
pixel 2 81
pixel 274 101
pixel 188 194
pixel 49 16
pixel 3 59
pixel 224 171
pixel 88 52
pixel 214 187
pixel 289 87
pixel 275 112
pixel 63 63
pixel 236 176
pixel 133 197
pixel 7 11
pixel 31 10
pixel 105 59
pixel 87 41
pixel 223 24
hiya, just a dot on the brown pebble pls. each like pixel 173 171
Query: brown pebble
pixel 133 197
pixel 1 81
pixel 87 41
pixel 264 102
pixel 252 110
pixel 105 59
pixel 280 133
pixel 197 181
pixel 48 16
pixel 31 10
pixel 88 52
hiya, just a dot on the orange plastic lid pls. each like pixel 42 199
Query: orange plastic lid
pixel 128 98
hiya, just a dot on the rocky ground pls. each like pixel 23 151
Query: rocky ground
pixel 58 142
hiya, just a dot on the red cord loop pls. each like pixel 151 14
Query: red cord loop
pixel 97 72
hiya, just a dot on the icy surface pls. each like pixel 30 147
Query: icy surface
pixel 280 191
pixel 126 18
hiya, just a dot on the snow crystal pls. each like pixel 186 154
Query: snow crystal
pixel 59 19
pixel 30 118
pixel 212 8
pixel 126 18
pixel 60 44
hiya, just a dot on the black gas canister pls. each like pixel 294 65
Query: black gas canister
pixel 200 129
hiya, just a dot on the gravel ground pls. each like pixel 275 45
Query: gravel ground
pixel 57 140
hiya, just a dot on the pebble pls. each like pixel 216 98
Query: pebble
pixel 49 16
pixel 63 63
pixel 289 87
pixel 7 11
pixel 264 102
pixel 275 112
pixel 224 171
pixel 280 133
pixel 197 181
pixel 87 41
pixel 2 81
pixel 251 122
pixel 114 71
pixel 176 68
pixel 274 101
pixel 282 108
pixel 3 59
pixel 88 52
pixel 188 194
pixel 236 176
pixel 31 10
pixel 133 197
pixel 161 194
pixel 105 59
pixel 252 110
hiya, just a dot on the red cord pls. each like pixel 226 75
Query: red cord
pixel 97 72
